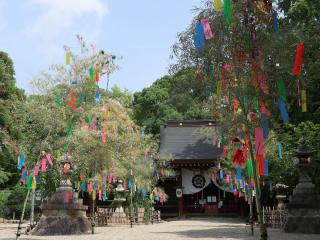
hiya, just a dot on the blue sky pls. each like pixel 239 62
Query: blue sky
pixel 33 32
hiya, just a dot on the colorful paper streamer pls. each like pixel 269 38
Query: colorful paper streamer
pixel 283 110
pixel 304 100
pixel 264 123
pixel 199 38
pixel 266 168
pixel 207 29
pixel 298 59
pixel 227 11
pixel 218 5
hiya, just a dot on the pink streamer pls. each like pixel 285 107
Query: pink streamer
pixel 100 195
pixel 49 159
pixel 207 29
pixel 36 170
pixel 83 123
pixel 228 178
pixel 103 137
pixel 259 141
pixel 93 123
pixel 43 165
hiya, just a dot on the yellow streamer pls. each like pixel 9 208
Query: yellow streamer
pixel 67 58
pixel 304 100
pixel 217 5
pixel 94 195
pixel 34 183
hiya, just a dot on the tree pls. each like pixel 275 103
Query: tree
pixel 181 96
pixel 76 118
pixel 9 130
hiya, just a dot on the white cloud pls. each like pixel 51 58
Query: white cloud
pixel 61 15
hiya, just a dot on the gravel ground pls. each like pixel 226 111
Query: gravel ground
pixel 208 228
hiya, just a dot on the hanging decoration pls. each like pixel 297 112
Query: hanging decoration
pixel 264 124
pixel 21 160
pixel 199 37
pixel 67 58
pixel 281 89
pixel 249 168
pixel 280 150
pixel 97 97
pixel 283 110
pixel 304 100
pixel 298 59
pixel 218 5
pixel 275 22
pixel 227 10
pixel 91 73
pixel 24 175
pixel 266 168
pixel 207 29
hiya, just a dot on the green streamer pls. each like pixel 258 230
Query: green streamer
pixel 245 100
pixel 29 182
pixel 281 89
pixel 89 118
pixel 249 168
pixel 66 147
pixel 227 10
pixel 91 73
pixel 256 103
pixel 224 194
pixel 69 129
pixel 58 101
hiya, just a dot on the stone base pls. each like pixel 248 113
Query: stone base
pixel 62 225
pixel 302 224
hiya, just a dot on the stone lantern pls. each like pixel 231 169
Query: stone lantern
pixel 304 209
pixel 64 213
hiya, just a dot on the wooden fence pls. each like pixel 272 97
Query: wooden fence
pixel 109 216
pixel 274 217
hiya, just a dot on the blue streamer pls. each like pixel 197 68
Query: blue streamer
pixel 270 186
pixel 199 37
pixel 280 150
pixel 142 133
pixel 95 185
pixel 129 184
pixel 143 194
pixel 37 179
pixel 275 22
pixel 221 174
pixel 266 168
pixel 21 161
pixel 264 123
pixel 283 110
pixel 24 174
pixel 97 97
pixel 83 186
pixel 238 174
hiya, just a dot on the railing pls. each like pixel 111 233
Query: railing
pixel 109 216
pixel 274 217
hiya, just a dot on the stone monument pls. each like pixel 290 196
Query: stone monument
pixel 64 213
pixel 304 208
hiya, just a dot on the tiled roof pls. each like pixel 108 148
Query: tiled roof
pixel 180 140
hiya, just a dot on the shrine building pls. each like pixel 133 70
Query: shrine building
pixel 191 191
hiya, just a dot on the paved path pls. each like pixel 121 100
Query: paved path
pixel 202 229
